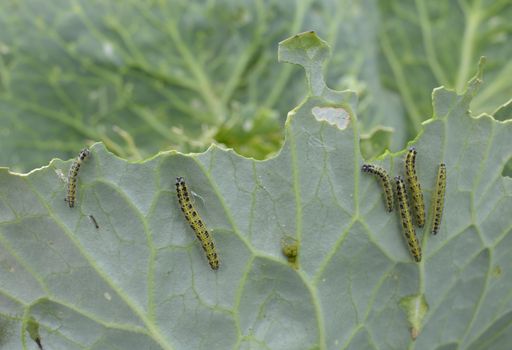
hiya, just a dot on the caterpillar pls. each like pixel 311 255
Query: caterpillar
pixel 73 175
pixel 438 198
pixel 415 187
pixel 94 222
pixel 406 220
pixel 385 182
pixel 196 223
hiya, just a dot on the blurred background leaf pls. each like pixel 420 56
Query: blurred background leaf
pixel 145 76
pixel 432 43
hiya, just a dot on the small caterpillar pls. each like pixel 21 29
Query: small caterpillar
pixel 414 186
pixel 405 218
pixel 196 223
pixel 385 181
pixel 438 198
pixel 73 175
pixel 94 222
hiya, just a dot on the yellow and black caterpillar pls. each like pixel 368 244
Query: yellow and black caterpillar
pixel 406 220
pixel 196 223
pixel 385 181
pixel 438 199
pixel 73 176
pixel 415 187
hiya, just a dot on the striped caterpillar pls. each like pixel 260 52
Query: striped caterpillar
pixel 415 187
pixel 385 182
pixel 406 220
pixel 73 177
pixel 438 198
pixel 196 223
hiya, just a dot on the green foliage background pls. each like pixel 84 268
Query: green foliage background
pixel 145 76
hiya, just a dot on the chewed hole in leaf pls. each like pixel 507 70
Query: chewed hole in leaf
pixel 374 143
pixel 333 115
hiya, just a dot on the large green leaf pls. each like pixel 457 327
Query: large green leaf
pixel 141 280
